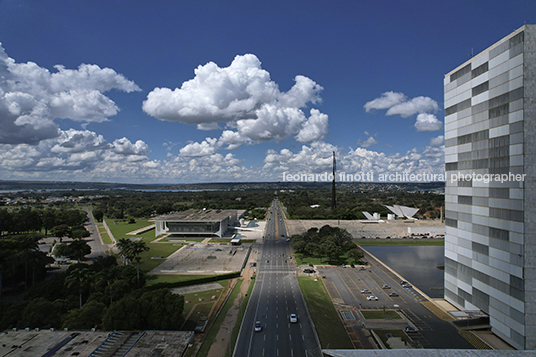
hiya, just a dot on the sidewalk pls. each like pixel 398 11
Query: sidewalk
pixel 223 338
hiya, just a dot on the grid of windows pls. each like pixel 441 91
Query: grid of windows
pixel 485 221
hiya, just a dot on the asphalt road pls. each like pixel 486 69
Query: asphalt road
pixel 97 248
pixel 275 296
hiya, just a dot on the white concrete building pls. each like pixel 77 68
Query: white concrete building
pixel 490 208
pixel 200 223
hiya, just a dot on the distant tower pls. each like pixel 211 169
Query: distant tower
pixel 333 201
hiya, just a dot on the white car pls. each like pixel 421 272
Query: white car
pixel 385 286
pixel 372 298
pixel 293 318
pixel 365 291
pixel 258 326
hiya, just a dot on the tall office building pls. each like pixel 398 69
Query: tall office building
pixel 490 195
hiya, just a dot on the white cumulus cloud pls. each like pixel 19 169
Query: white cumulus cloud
pixel 437 141
pixel 72 151
pixel 387 100
pixel 244 97
pixel 428 122
pixel 32 97
pixel 413 106
pixel 205 148
pixel 399 104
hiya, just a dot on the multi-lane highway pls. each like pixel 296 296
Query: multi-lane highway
pixel 275 297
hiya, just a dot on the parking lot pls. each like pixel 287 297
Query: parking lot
pixel 345 286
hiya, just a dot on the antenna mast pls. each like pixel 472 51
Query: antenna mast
pixel 333 201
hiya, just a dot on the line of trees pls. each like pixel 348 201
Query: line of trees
pixel 27 219
pixel 21 261
pixel 316 204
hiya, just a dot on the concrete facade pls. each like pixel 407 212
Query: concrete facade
pixel 197 223
pixel 490 194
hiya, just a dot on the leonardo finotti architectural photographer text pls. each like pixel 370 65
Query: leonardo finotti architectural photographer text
pixel 370 176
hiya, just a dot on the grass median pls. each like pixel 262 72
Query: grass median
pixel 329 327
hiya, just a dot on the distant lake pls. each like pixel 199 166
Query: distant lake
pixel 417 264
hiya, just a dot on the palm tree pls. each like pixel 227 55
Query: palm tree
pixel 136 249
pixel 80 278
pixel 125 246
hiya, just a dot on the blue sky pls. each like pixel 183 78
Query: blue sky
pixel 280 85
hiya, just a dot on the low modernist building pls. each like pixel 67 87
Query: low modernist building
pixel 198 223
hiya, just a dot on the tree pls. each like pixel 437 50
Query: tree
pixel 79 232
pixel 49 220
pixel 355 254
pixel 98 215
pixel 41 313
pixel 124 246
pixel 131 250
pixel 161 310
pixel 136 249
pixel 157 310
pixel 88 316
pixel 79 248
pixel 6 221
pixel 331 250
pixel 79 278
pixel 61 231
pixel 122 315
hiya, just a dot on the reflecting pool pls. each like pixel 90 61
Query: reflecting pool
pixel 417 264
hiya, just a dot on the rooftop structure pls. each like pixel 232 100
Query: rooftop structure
pixel 403 211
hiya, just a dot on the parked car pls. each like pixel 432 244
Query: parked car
pixel 410 329
pixel 293 318
pixel 372 298
pixel 365 291
pixel 258 326
pixel 393 294
pixel 385 286
pixel 406 285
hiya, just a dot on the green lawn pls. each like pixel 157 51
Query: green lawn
pixel 193 298
pixel 168 278
pixel 399 242
pixel 104 234
pixel 380 314
pixel 329 327
pixel 120 229
pixel 182 239
pixel 382 334
pixel 199 315
pixel 302 259
pixel 155 249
